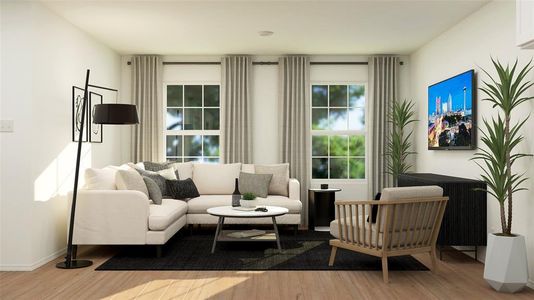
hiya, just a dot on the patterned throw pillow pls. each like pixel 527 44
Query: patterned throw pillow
pixel 155 167
pixel 258 184
pixel 154 191
pixel 182 189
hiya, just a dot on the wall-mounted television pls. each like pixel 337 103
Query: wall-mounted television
pixel 452 113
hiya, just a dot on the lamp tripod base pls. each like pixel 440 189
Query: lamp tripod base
pixel 74 264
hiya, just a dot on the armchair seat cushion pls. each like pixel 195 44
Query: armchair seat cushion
pixel 161 216
pixel 406 233
pixel 334 231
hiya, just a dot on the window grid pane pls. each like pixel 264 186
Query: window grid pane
pixel 192 123
pixel 338 156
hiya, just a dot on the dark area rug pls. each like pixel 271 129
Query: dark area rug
pixel 306 251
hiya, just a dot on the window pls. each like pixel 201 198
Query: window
pixel 192 122
pixel 338 131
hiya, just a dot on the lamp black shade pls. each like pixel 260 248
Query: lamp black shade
pixel 115 114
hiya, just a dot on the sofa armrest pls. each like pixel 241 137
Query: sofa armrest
pixel 107 217
pixel 294 189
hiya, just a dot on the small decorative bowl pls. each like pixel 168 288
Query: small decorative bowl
pixel 248 203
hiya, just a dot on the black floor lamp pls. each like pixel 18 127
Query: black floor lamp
pixel 112 114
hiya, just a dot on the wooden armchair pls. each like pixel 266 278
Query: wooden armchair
pixel 407 222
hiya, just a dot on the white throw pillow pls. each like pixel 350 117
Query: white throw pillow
pixel 215 179
pixel 185 170
pixel 280 182
pixel 100 179
pixel 130 180
pixel 168 174
pixel 121 167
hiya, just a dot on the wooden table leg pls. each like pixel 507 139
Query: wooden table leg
pixel 277 235
pixel 217 232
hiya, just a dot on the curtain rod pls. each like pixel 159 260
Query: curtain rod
pixel 263 63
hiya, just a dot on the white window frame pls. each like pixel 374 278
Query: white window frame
pixel 329 133
pixel 167 132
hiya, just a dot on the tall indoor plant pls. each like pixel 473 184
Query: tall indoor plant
pixel 506 266
pixel 399 144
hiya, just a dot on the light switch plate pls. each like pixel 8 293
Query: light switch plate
pixel 6 125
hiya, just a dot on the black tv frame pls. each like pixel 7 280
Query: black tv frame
pixel 474 111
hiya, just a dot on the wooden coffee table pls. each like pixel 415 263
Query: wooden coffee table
pixel 228 212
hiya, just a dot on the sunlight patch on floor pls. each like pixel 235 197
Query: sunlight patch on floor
pixel 193 288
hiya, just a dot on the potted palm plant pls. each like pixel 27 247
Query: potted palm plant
pixel 399 144
pixel 506 257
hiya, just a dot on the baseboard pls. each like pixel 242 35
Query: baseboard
pixel 35 265
pixel 530 284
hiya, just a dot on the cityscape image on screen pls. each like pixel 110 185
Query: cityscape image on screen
pixel 450 113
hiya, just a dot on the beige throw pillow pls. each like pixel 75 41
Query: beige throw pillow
pixel 130 180
pixel 100 179
pixel 215 179
pixel 280 181
pixel 184 170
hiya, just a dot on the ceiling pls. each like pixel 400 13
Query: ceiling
pixel 231 27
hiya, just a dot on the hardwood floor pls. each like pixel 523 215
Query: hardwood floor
pixel 459 277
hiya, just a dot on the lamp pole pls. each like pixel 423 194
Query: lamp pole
pixel 70 263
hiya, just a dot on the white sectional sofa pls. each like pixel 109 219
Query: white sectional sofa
pixel 111 217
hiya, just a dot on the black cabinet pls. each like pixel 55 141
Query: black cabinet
pixel 321 210
pixel 464 221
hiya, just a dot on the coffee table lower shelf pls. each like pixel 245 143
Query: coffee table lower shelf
pixel 268 236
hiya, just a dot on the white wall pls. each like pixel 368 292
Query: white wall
pixel 488 32
pixel 265 99
pixel 42 57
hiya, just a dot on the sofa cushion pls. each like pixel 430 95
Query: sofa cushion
pixel 334 230
pixel 159 177
pixel 161 216
pixel 130 180
pixel 184 170
pixel 248 168
pixel 154 192
pixel 280 182
pixel 200 204
pixel 100 179
pixel 294 206
pixel 258 184
pixel 215 179
pixel 182 189
pixel 155 167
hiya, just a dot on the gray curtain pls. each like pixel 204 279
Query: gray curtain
pixel 294 121
pixel 146 94
pixel 236 81
pixel 383 90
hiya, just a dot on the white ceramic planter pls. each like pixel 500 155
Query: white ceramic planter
pixel 248 203
pixel 506 268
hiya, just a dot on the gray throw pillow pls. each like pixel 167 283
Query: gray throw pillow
pixel 280 182
pixel 182 189
pixel 158 180
pixel 154 192
pixel 154 167
pixel 258 184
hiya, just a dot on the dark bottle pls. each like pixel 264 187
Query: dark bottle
pixel 236 196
